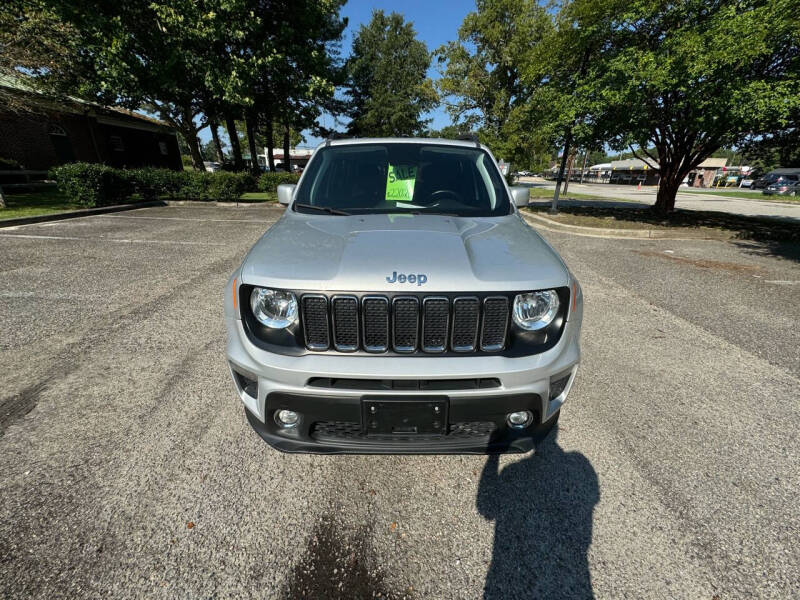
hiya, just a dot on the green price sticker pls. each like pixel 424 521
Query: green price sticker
pixel 400 182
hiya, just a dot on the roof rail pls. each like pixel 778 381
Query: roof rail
pixel 469 137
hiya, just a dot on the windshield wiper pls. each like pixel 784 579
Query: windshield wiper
pixel 434 212
pixel 325 209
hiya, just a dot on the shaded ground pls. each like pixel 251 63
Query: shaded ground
pixel 630 215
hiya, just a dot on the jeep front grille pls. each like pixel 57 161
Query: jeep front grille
pixel 405 324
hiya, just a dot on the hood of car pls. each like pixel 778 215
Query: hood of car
pixel 402 253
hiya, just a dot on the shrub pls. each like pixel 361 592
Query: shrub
pixel 268 182
pixel 152 183
pixel 227 187
pixel 101 185
pixel 93 184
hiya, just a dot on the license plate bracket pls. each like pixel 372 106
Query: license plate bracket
pixel 402 416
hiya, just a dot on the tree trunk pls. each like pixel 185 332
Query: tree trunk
pixel 667 188
pixel 189 133
pixel 567 141
pixel 270 144
pixel 230 125
pixel 287 161
pixel 569 172
pixel 251 141
pixel 217 144
pixel 2 198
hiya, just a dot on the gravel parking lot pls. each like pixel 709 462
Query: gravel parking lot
pixel 127 468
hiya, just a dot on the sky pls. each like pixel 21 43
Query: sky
pixel 435 21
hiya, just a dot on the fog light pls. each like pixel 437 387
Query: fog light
pixel 520 420
pixel 286 418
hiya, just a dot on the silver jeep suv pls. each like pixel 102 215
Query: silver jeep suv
pixel 402 305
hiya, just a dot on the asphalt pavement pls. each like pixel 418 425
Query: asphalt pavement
pixel 127 468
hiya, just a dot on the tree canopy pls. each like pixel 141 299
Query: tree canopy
pixel 388 91
pixel 672 82
pixel 190 62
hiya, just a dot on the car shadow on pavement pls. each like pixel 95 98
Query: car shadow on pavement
pixel 542 506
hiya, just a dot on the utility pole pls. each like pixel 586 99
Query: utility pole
pixel 583 170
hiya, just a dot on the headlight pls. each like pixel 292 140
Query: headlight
pixel 274 308
pixel 535 310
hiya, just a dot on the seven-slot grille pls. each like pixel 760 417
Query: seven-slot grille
pixel 405 324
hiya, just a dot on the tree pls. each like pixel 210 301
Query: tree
pixel 209 151
pixel 151 55
pixel 279 67
pixel 779 148
pixel 36 46
pixel 690 77
pixel 387 87
pixel 482 74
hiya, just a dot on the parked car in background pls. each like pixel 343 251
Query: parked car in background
pixel 785 185
pixel 772 177
pixel 212 166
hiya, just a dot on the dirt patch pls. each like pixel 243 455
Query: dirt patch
pixel 702 263
pixel 339 564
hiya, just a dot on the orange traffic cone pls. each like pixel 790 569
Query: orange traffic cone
pixel 639 186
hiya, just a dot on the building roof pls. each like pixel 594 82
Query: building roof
pixel 19 85
pixel 600 167
pixel 632 164
pixel 713 163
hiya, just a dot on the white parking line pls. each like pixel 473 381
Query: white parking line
pixel 41 296
pixel 102 239
pixel 180 219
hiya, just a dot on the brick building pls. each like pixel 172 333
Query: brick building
pixel 50 132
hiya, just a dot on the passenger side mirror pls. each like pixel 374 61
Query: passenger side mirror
pixel 285 193
pixel 521 195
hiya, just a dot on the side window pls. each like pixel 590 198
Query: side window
pixel 61 143
pixel 116 143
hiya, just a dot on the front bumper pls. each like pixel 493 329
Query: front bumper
pixel 331 416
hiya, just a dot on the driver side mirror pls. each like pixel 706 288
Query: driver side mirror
pixel 285 193
pixel 521 195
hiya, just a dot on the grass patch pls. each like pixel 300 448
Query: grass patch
pixel 47 201
pixel 40 202
pixel 259 197
pixel 730 194
pixel 716 224
pixel 601 221
pixel 538 192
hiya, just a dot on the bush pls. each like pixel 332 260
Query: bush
pixel 100 185
pixel 93 184
pixel 152 183
pixel 227 187
pixel 268 182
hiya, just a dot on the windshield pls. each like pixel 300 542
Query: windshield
pixel 403 178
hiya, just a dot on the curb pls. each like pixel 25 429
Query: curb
pixel 604 232
pixel 74 214
pixel 215 203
